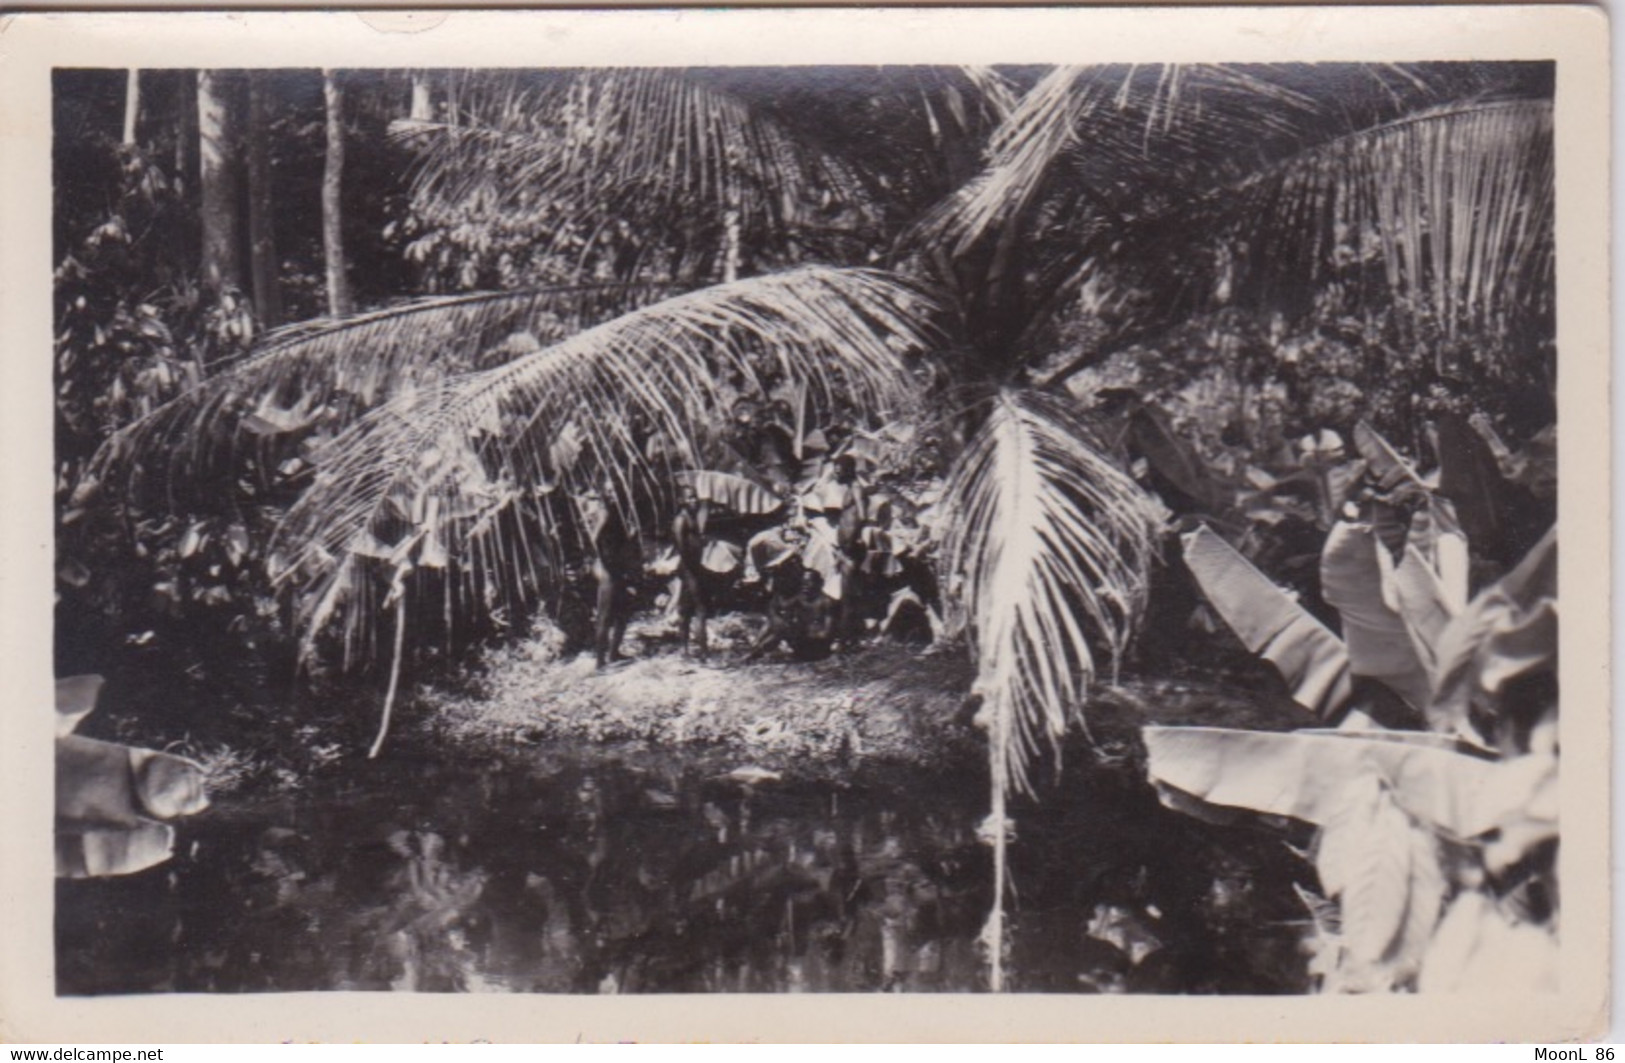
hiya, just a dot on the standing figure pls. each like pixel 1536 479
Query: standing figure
pixel 853 546
pixel 688 535
pixel 614 562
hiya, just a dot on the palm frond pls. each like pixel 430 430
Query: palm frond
pixel 1443 216
pixel 1113 133
pixel 1086 153
pixel 1437 174
pixel 616 409
pixel 328 371
pixel 640 143
pixel 996 90
pixel 1021 151
pixel 1110 130
pixel 1049 545
pixel 1456 203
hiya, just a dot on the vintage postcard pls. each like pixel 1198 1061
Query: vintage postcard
pixel 806 524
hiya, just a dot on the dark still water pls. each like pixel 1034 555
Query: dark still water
pixel 570 873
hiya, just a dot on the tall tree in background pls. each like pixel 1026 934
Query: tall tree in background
pixel 422 97
pixel 132 106
pixel 339 300
pixel 219 136
pixel 185 135
pixel 262 254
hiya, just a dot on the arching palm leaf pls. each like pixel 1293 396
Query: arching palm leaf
pixel 1110 131
pixel 330 371
pixel 1287 168
pixel 1443 216
pixel 1122 135
pixel 426 478
pixel 635 144
pixel 1456 203
pixel 1020 153
pixel 995 89
pixel 1048 548
pixel 1049 545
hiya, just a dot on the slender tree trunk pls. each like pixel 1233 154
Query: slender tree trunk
pixel 218 136
pixel 185 135
pixel 261 236
pixel 730 246
pixel 422 101
pixel 730 237
pixel 132 106
pixel 339 302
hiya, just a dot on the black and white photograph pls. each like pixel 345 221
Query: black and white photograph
pixel 1016 528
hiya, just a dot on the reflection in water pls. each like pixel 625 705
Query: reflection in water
pixel 581 877
pixel 559 879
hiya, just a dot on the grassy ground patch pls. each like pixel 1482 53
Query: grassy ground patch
pixel 883 702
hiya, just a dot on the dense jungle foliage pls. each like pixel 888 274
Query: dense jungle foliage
pixel 1071 375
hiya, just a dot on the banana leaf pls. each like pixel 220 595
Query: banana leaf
pixel 742 495
pixel 1151 437
pixel 114 850
pixel 1337 484
pixel 1312 660
pixel 1470 477
pixel 75 699
pixel 1479 948
pixel 1509 630
pixel 765 551
pixel 1427 584
pixel 108 795
pixel 1379 642
pixel 825 496
pixel 1305 775
pixel 1436 533
pixel 1412 590
pixel 108 784
pixel 1385 873
pixel 722 557
pixel 1428 739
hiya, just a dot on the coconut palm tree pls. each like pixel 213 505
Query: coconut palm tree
pixel 1002 202
pixel 1183 189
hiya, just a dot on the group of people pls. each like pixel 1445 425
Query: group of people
pixel 801 614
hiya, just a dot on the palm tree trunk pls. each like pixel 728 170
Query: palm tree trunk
pixel 132 106
pixel 218 136
pixel 422 100
pixel 339 300
pixel 261 236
